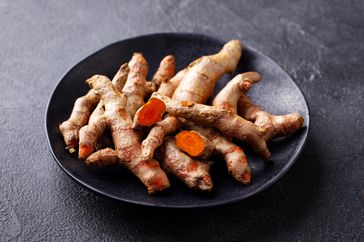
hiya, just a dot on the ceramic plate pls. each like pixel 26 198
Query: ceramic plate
pixel 277 92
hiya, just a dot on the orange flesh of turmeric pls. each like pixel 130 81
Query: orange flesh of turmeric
pixel 84 151
pixel 190 142
pixel 151 112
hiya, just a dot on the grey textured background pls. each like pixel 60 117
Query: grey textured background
pixel 319 43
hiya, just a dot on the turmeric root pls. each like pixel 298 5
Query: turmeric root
pixel 103 157
pixel 229 96
pixel 234 156
pixel 167 87
pixel 228 99
pixel 121 76
pixel 194 144
pixel 228 123
pixel 194 173
pixel 270 126
pixel 91 133
pixel 156 135
pixel 79 117
pixel 126 140
pixel 199 82
pixel 166 70
pixel 136 87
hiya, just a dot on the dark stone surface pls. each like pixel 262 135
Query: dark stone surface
pixel 320 43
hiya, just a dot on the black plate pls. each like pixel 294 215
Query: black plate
pixel 277 92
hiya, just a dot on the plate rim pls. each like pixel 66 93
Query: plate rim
pixel 260 189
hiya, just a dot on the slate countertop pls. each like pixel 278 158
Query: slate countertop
pixel 319 43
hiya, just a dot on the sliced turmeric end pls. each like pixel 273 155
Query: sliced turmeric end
pixel 151 112
pixel 84 151
pixel 190 142
pixel 186 103
pixel 247 176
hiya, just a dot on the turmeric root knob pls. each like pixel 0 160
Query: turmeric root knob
pixel 194 144
pixel 150 113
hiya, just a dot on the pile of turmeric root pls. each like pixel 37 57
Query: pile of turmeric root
pixel 175 132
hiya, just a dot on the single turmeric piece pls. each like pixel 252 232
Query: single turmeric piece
pixel 270 126
pixel 89 134
pixel 194 144
pixel 194 173
pixel 229 96
pixel 127 141
pixel 136 87
pixel 79 117
pixel 121 76
pixel 199 82
pixel 166 70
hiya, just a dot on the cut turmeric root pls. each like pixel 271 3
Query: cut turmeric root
pixel 194 144
pixel 194 173
pixel 150 113
pixel 233 155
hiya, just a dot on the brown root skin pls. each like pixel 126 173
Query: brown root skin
pixel 199 82
pixel 79 117
pixel 149 113
pixel 126 140
pixel 229 96
pixel 157 134
pixel 228 99
pixel 270 126
pixel 89 135
pixel 228 123
pixel 166 70
pixel 121 76
pixel 234 156
pixel 194 173
pixel 104 157
pixel 194 144
pixel 150 87
pixel 136 87
pixel 167 87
